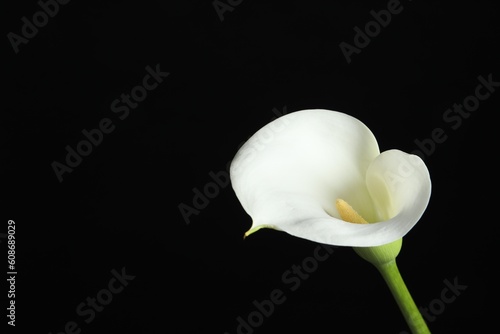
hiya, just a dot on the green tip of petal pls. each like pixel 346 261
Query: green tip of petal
pixel 255 229
pixel 380 255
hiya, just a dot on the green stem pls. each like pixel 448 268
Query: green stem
pixel 392 277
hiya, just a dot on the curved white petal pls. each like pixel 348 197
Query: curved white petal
pixel 400 186
pixel 289 174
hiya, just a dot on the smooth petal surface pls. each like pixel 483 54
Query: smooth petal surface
pixel 400 186
pixel 289 174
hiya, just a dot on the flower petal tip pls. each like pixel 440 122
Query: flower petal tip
pixel 255 229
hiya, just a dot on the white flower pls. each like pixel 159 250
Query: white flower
pixel 291 173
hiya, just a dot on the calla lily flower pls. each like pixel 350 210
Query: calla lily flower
pixel 292 174
pixel 319 175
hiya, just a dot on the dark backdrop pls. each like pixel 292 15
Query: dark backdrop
pixel 230 71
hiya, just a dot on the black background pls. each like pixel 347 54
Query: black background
pixel 119 207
